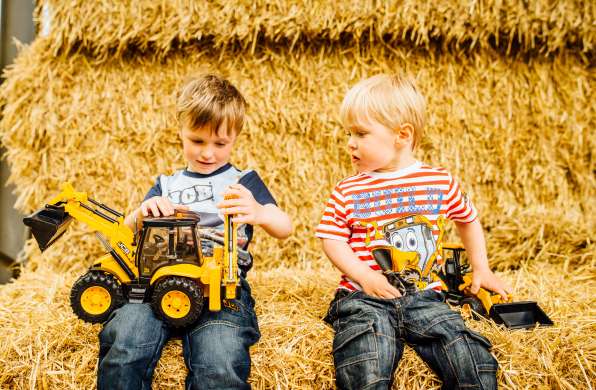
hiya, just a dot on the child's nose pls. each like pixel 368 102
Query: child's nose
pixel 206 152
pixel 352 143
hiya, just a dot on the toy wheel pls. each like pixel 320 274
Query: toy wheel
pixel 473 306
pixel 95 295
pixel 178 301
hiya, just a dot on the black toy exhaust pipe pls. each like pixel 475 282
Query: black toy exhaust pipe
pixel 48 225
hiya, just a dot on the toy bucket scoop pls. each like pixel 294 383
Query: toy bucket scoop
pixel 519 315
pixel 48 225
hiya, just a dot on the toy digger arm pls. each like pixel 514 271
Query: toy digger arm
pixel 49 223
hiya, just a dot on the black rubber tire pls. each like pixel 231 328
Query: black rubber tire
pixel 186 286
pixel 96 278
pixel 476 306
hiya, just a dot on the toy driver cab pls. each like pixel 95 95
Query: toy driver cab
pixel 172 262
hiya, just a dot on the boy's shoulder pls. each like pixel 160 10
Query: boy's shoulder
pixel 419 170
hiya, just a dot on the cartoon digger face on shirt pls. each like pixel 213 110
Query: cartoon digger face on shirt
pixel 415 246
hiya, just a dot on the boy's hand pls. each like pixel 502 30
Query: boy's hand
pixel 238 200
pixel 487 279
pixel 160 205
pixel 377 285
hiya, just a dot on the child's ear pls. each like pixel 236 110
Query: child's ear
pixel 405 134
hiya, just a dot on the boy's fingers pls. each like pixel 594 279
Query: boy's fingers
pixel 144 210
pixel 396 293
pixel 230 203
pixel 154 209
pixel 181 207
pixel 165 207
pixel 231 190
pixel 237 190
pixel 475 286
pixel 503 294
pixel 234 210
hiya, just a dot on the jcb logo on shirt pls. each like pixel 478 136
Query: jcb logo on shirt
pixel 194 194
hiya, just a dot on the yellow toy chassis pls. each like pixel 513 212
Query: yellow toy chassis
pixel 168 261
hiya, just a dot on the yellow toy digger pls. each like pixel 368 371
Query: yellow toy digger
pixel 458 279
pixel 172 262
pixel 408 262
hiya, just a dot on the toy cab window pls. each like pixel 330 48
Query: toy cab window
pixel 186 249
pixel 155 249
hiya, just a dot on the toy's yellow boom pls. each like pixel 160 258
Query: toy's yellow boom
pixel 49 223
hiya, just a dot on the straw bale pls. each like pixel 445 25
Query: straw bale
pixel 519 135
pixel 45 346
pixel 112 28
pixel 93 103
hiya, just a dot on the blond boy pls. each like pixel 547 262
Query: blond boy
pixel 397 201
pixel 210 112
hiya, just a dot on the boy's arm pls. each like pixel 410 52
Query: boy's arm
pixel 472 237
pixel 373 283
pixel 275 221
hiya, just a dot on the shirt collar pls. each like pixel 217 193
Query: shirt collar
pixel 202 175
pixel 398 173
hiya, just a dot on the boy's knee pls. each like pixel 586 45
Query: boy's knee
pixel 221 341
pixel 475 366
pixel 218 356
pixel 132 325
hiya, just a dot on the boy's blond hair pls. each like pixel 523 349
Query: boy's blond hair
pixel 391 100
pixel 210 101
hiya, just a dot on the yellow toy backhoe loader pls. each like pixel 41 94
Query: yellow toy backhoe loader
pixel 457 276
pixel 409 264
pixel 171 262
pixel 456 279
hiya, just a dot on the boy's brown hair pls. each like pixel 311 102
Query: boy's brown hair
pixel 210 101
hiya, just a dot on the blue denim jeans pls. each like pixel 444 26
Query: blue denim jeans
pixel 216 348
pixel 370 334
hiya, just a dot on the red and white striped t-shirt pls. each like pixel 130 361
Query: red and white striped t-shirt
pixel 361 201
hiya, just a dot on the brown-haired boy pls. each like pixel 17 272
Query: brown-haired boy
pixel 210 112
pixel 398 202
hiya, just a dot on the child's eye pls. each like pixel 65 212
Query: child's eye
pixel 220 144
pixel 197 141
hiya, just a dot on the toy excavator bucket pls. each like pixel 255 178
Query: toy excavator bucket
pixel 48 224
pixel 519 315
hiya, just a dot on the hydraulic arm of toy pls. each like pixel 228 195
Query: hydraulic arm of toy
pixel 49 223
pixel 230 263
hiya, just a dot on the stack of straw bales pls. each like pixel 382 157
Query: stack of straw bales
pixel 509 86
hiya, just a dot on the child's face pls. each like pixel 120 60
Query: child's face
pixel 204 150
pixel 373 147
